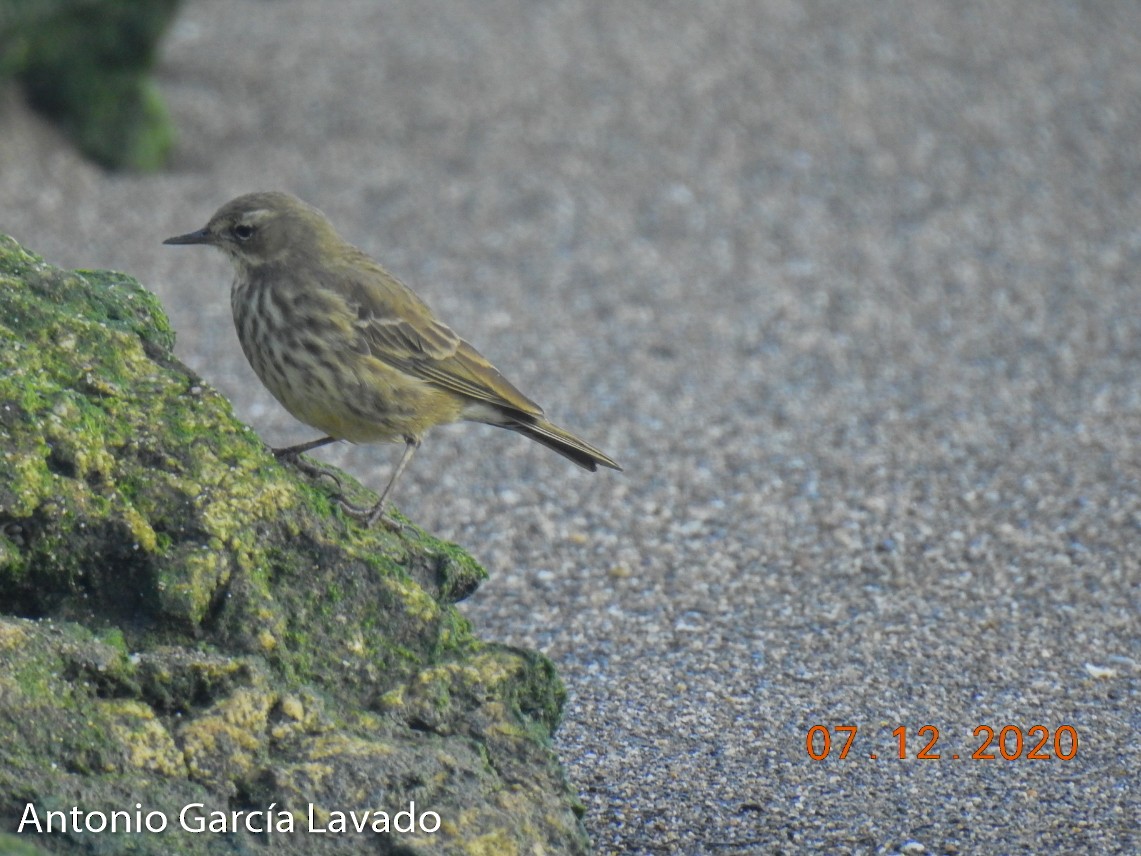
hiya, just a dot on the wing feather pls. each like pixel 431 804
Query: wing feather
pixel 400 330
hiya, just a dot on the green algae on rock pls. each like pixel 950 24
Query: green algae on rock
pixel 187 621
pixel 86 65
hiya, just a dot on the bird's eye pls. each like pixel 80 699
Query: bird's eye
pixel 243 231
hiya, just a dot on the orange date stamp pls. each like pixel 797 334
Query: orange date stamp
pixel 1008 742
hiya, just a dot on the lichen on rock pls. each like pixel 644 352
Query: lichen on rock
pixel 184 620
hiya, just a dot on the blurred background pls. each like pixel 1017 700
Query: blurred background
pixel 849 288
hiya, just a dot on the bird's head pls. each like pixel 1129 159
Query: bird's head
pixel 265 228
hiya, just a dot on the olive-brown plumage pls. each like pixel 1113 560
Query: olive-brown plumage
pixel 349 349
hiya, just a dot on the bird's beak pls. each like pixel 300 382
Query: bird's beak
pixel 202 236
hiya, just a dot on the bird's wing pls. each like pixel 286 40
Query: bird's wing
pixel 400 330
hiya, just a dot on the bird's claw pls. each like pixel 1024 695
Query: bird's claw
pixel 370 515
pixel 310 469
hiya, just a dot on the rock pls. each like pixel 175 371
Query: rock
pixel 185 622
pixel 86 65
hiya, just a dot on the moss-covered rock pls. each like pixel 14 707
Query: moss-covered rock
pixel 86 65
pixel 187 621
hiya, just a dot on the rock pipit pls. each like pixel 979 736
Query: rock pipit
pixel 349 349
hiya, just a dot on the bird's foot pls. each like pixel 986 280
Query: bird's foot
pixel 370 515
pixel 293 457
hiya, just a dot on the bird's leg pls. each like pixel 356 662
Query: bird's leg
pixel 378 509
pixel 370 515
pixel 292 455
pixel 301 448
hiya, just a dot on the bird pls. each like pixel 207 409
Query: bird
pixel 347 348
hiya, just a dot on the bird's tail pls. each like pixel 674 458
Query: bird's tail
pixel 563 442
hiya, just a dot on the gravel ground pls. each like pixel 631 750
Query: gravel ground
pixel 850 289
